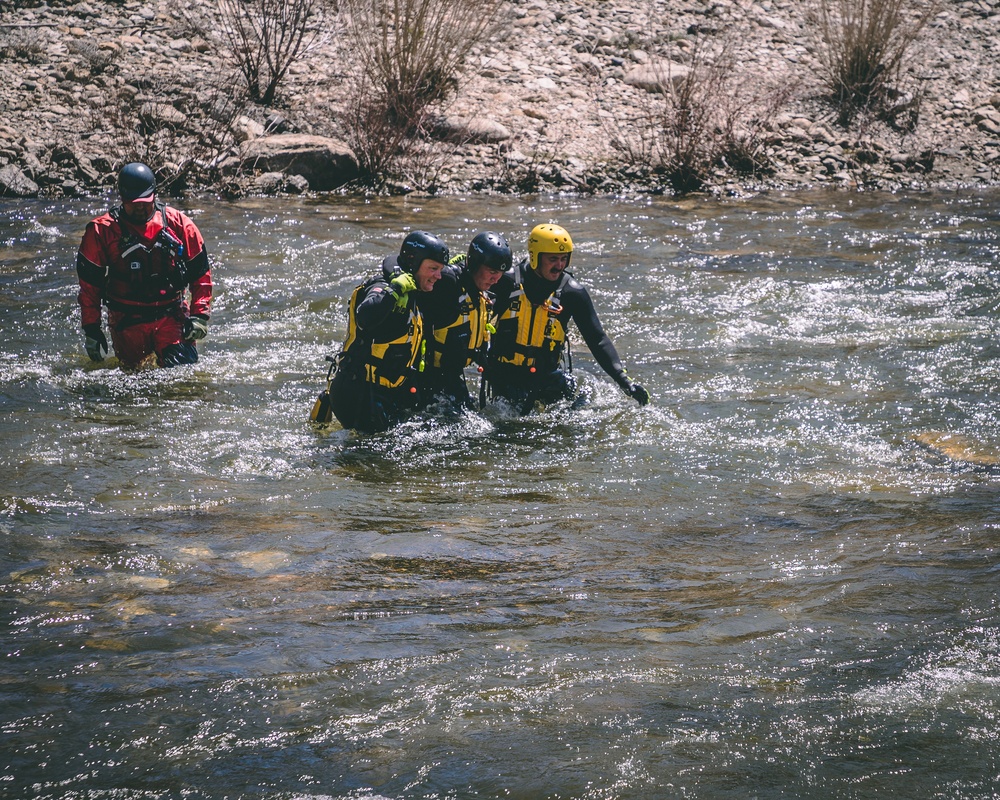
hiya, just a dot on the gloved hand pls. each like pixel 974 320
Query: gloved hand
pixel 638 393
pixel 195 327
pixel 401 285
pixel 96 342
pixel 634 390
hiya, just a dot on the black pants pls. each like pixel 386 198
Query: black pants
pixel 522 389
pixel 363 406
pixel 449 387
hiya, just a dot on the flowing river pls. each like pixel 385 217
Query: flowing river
pixel 779 579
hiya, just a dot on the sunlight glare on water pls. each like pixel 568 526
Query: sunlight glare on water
pixel 777 580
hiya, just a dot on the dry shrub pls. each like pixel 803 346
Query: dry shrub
pixel 23 44
pixel 378 142
pixel 389 155
pixel 864 49
pixel 265 37
pixel 184 140
pixel 706 117
pixel 527 168
pixel 409 54
pixel 746 114
pixel 98 60
pixel 411 51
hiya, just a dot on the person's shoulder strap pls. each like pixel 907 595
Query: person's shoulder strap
pixel 564 280
pixel 517 272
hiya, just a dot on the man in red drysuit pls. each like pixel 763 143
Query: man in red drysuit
pixel 140 260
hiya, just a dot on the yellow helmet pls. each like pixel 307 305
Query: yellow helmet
pixel 547 239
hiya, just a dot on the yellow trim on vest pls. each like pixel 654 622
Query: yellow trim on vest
pixel 473 316
pixel 538 329
pixel 400 353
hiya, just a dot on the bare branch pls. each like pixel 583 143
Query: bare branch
pixel 265 37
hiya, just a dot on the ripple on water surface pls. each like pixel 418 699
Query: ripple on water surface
pixel 778 578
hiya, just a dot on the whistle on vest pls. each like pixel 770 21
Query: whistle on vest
pixel 166 238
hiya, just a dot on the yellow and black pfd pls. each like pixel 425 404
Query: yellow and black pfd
pixel 531 336
pixel 390 355
pixel 453 345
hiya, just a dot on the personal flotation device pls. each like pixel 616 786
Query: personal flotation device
pixel 456 345
pixel 141 273
pixel 390 358
pixel 527 334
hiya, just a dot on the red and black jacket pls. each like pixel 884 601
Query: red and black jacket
pixel 142 268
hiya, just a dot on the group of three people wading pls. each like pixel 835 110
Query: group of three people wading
pixel 413 327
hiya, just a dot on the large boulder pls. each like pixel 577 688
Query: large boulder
pixel 325 163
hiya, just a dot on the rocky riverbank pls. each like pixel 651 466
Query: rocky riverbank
pixel 546 104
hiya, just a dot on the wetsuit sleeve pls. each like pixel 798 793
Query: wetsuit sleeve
pixel 196 261
pixel 583 313
pixel 91 268
pixel 195 256
pixel 89 299
pixel 375 306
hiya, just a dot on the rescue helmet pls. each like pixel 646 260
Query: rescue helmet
pixel 420 245
pixel 547 238
pixel 490 250
pixel 136 181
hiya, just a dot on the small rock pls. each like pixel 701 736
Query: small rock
pixel 274 123
pixel 296 184
pixel 657 75
pixel 269 182
pixel 471 130
pixel 246 129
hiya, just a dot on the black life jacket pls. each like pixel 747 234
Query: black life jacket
pixel 147 274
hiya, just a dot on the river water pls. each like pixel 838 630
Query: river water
pixel 777 580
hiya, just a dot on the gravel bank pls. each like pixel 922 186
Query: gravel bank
pixel 538 109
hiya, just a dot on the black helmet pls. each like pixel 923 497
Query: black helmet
pixel 136 181
pixel 490 250
pixel 418 246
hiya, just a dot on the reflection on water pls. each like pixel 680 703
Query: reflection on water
pixel 776 580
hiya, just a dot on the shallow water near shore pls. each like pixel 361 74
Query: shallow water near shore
pixel 777 580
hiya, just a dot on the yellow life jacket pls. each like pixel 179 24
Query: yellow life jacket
pixel 528 334
pixel 392 355
pixel 456 345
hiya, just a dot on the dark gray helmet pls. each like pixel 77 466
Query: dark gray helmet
pixel 418 246
pixel 490 250
pixel 136 181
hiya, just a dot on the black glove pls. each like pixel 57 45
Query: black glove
pixel 638 393
pixel 195 327
pixel 634 390
pixel 96 342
